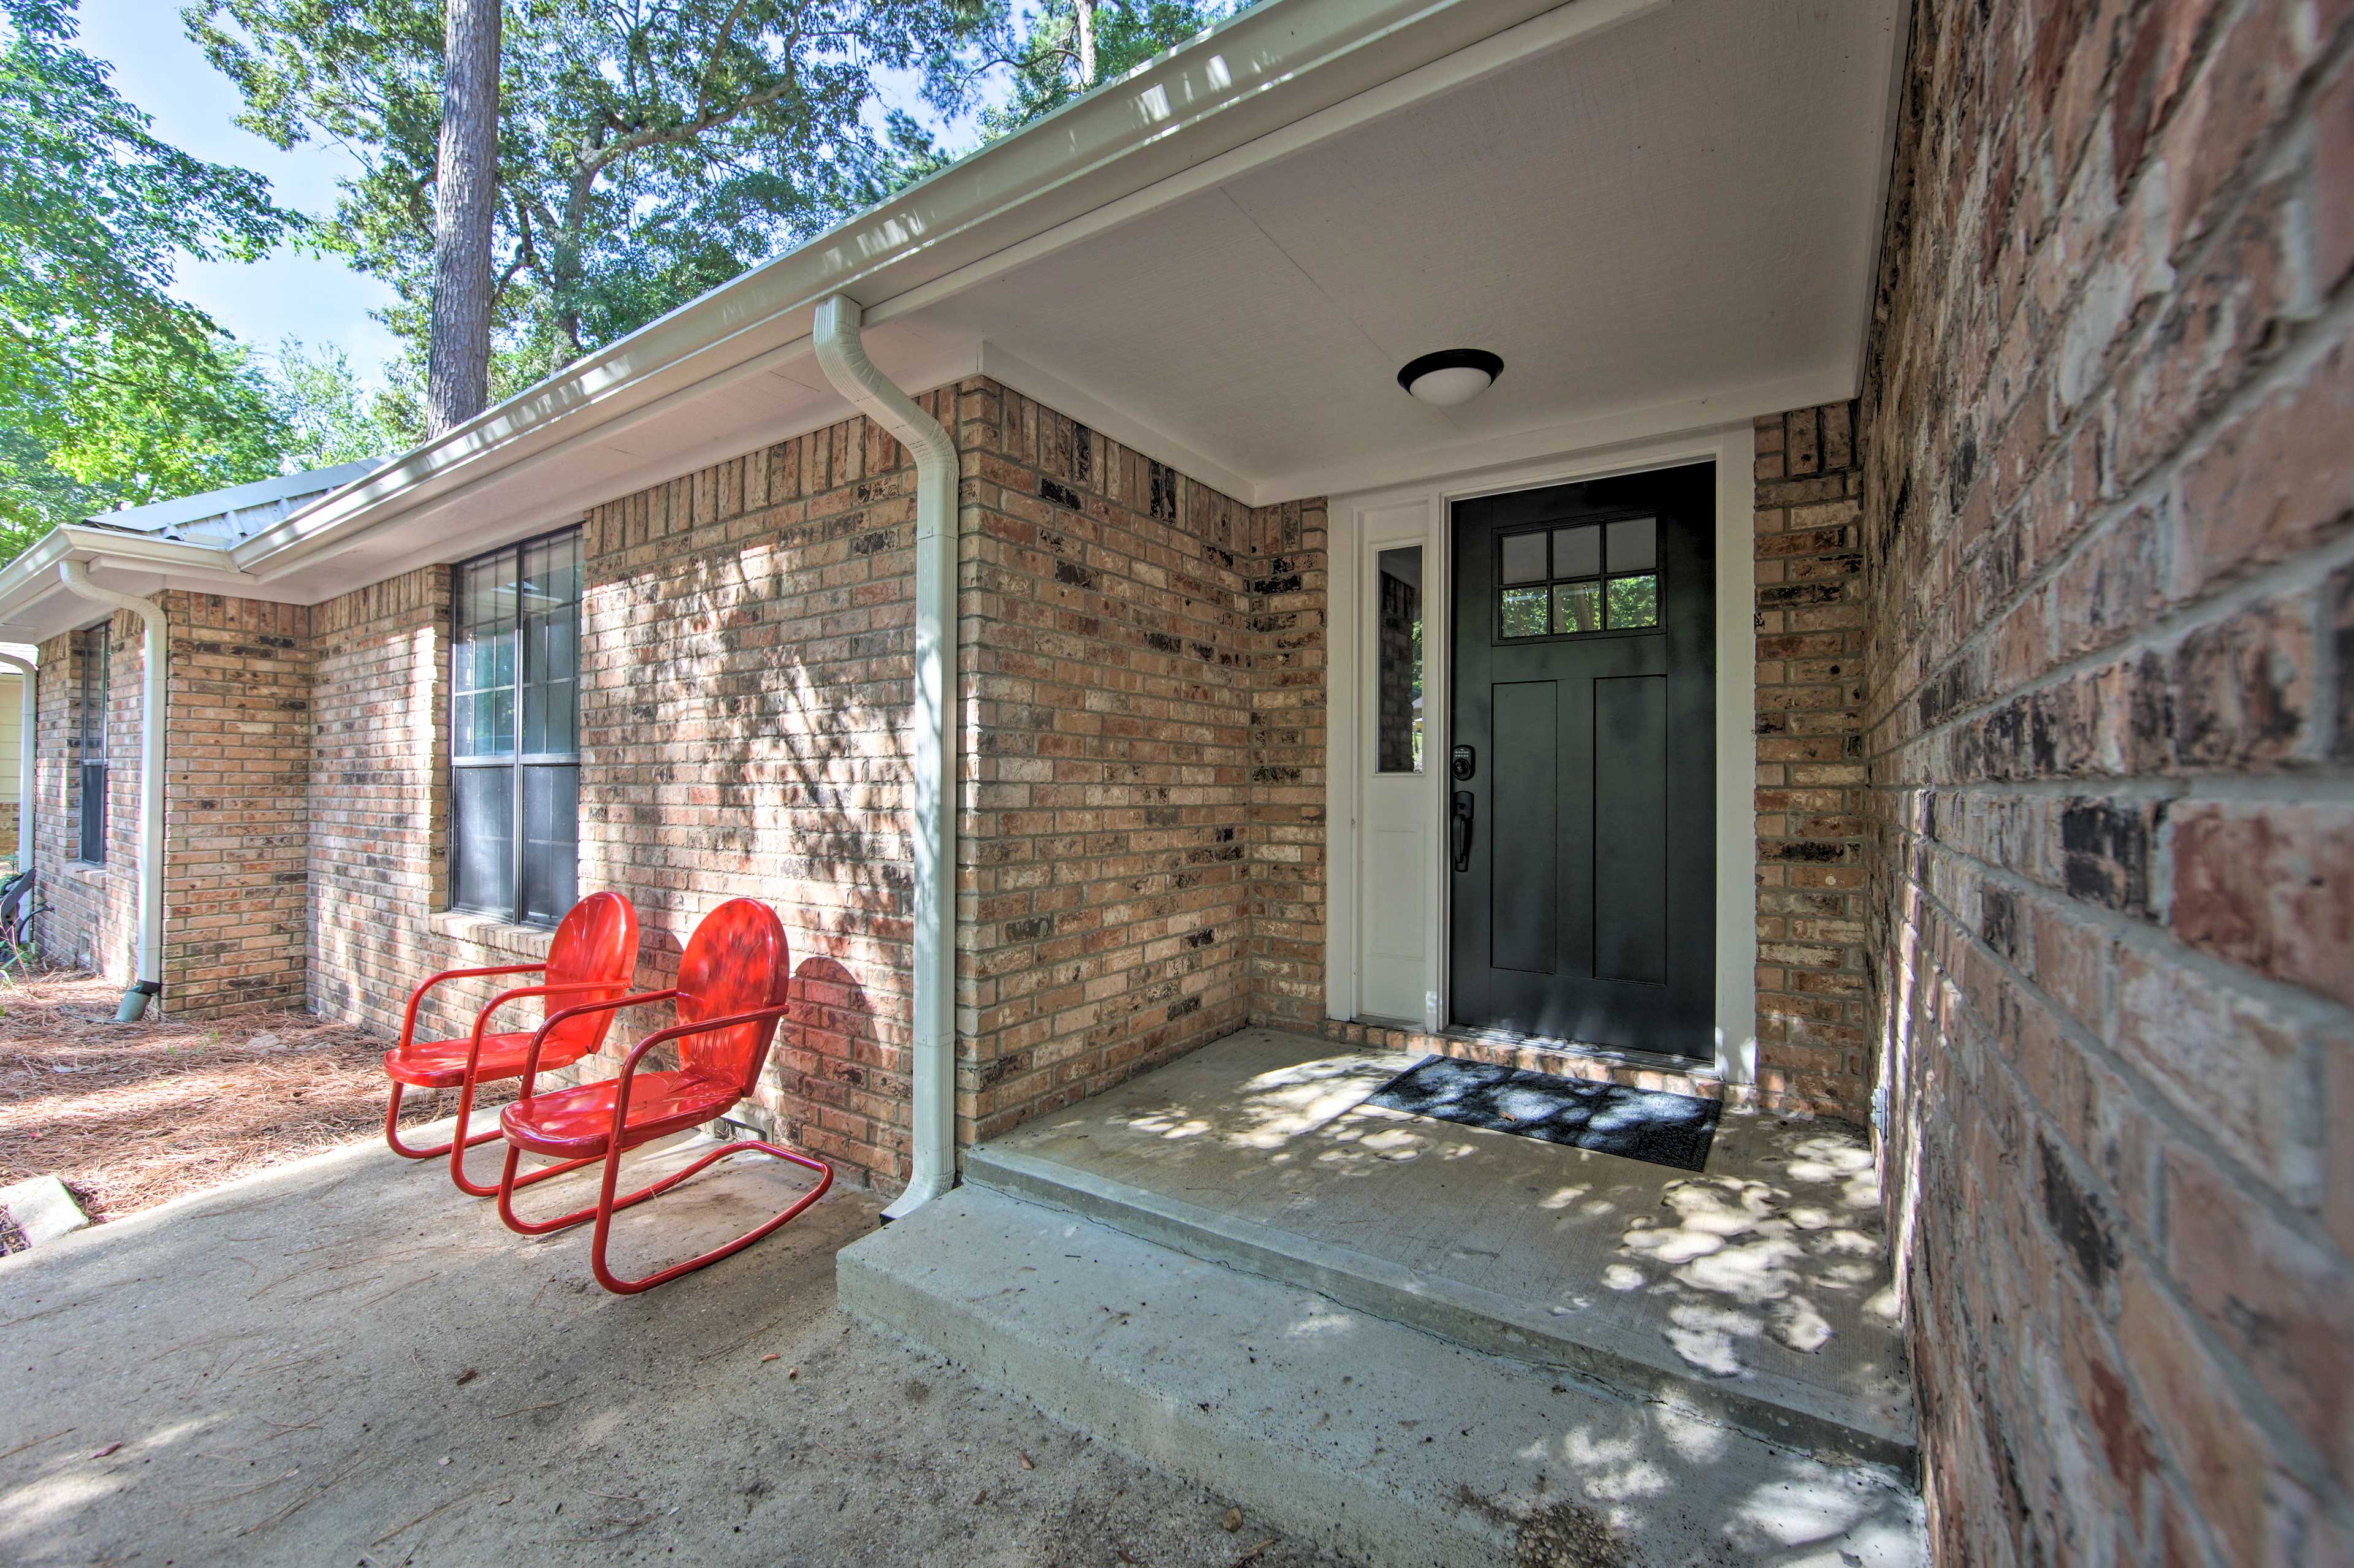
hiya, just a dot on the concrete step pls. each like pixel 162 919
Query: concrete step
pixel 1634 1364
pixel 1387 1444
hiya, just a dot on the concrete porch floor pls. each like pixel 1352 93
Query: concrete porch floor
pixel 346 1362
pixel 1759 1289
pixel 1429 1346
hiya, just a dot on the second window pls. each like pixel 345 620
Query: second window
pixel 515 747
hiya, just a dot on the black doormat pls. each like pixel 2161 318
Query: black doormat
pixel 1640 1124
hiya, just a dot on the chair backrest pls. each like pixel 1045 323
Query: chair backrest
pixel 737 961
pixel 597 940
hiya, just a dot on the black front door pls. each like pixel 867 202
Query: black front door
pixel 1584 838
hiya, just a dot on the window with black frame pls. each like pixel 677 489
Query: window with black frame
pixel 514 748
pixel 94 650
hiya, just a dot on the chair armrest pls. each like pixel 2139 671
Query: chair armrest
pixel 417 997
pixel 482 1019
pixel 661 1036
pixel 539 1040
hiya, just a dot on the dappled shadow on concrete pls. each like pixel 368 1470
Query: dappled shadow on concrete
pixel 346 1361
pixel 1770 1263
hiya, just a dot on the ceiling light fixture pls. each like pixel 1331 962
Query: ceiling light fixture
pixel 1451 375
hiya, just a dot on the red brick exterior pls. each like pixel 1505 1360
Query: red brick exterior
pixel 2109 430
pixel 235 804
pixel 746 690
pixel 1287 584
pixel 380 753
pixel 1108 678
pixel 236 817
pixel 88 915
pixel 1813 1023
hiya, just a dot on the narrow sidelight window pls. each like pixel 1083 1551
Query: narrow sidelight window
pixel 94 652
pixel 1398 620
pixel 515 747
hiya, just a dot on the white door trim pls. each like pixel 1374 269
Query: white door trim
pixel 1379 516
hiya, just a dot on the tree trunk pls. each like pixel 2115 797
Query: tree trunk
pixel 465 199
pixel 1086 44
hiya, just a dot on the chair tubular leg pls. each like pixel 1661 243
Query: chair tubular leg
pixel 608 1206
pixel 392 1131
pixel 509 1180
pixel 466 1184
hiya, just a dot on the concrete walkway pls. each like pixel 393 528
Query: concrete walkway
pixel 344 1360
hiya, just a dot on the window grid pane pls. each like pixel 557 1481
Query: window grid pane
pixel 1634 601
pixel 515 669
pixel 93 695
pixel 1524 611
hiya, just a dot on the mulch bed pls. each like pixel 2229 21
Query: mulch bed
pixel 130 1115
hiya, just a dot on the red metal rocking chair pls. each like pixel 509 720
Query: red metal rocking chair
pixel 732 983
pixel 595 950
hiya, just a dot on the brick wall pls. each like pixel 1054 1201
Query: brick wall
pixel 1812 1008
pixel 1288 592
pixel 746 690
pixel 235 804
pixel 2110 435
pixel 89 914
pixel 379 756
pixel 1108 678
pixel 1141 819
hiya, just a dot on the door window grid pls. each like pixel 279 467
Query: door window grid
pixel 1581 578
pixel 514 759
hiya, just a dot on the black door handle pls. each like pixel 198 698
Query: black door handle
pixel 1463 808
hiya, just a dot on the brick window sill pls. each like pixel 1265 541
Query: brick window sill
pixel 85 870
pixel 505 938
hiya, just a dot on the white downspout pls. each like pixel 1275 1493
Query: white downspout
pixel 31 675
pixel 844 358
pixel 75 577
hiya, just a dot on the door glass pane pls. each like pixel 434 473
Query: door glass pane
pixel 1524 557
pixel 1577 606
pixel 551 841
pixel 1635 545
pixel 1397 621
pixel 1524 611
pixel 1634 601
pixel 1577 552
pixel 482 836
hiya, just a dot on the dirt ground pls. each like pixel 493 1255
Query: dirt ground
pixel 346 1361
pixel 130 1115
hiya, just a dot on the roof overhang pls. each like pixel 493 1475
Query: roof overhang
pixel 1221 259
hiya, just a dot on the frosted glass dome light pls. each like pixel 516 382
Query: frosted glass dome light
pixel 1451 376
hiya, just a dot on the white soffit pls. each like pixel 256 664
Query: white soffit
pixel 1667 224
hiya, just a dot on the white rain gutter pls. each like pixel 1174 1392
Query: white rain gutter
pixel 75 575
pixel 844 358
pixel 31 675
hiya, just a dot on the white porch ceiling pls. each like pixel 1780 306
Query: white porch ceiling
pixel 1663 213
pixel 1657 225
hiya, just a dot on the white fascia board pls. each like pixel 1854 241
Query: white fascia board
pixel 1225 96
pixel 33 605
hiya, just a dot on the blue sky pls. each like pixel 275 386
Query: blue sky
pixel 318 298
